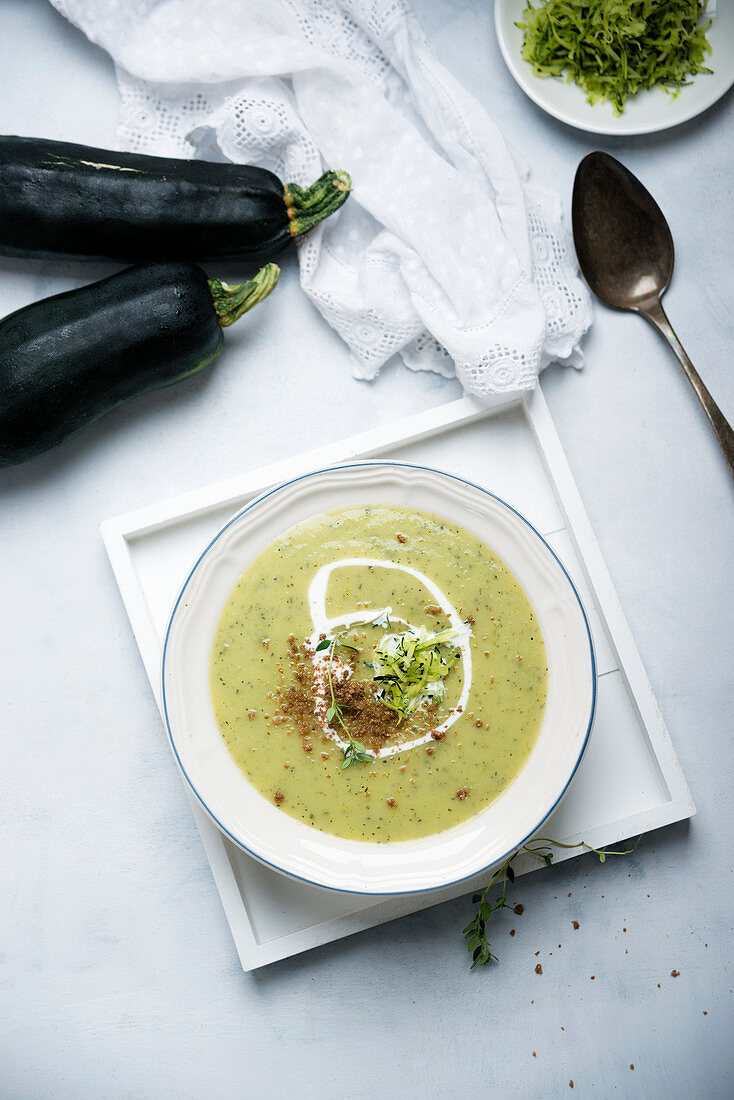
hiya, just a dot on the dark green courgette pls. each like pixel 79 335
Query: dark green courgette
pixel 68 359
pixel 70 200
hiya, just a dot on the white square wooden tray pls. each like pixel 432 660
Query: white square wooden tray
pixel 630 780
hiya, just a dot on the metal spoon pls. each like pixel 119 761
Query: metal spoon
pixel 625 252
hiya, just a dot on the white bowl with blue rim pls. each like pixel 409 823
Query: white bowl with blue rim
pixel 253 822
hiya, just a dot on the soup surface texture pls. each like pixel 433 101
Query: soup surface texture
pixel 378 673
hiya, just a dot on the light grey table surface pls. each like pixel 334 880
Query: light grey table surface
pixel 118 975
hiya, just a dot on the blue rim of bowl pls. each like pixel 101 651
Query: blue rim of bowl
pixel 356 466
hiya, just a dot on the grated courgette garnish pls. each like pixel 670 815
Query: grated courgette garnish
pixel 410 668
pixel 615 48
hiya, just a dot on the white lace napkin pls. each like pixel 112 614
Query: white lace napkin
pixel 443 253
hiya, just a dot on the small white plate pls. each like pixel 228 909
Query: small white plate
pixel 290 846
pixel 645 113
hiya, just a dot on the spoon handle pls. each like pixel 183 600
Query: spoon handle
pixel 655 314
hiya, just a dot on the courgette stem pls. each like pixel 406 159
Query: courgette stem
pixel 307 206
pixel 230 302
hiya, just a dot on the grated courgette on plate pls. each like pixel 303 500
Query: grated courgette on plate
pixel 614 49
pixel 648 111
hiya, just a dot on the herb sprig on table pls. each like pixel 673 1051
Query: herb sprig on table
pixel 475 932
pixel 615 48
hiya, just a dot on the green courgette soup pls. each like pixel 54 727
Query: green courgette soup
pixel 378 673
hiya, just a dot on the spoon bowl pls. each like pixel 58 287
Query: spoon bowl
pixel 623 243
pixel 625 251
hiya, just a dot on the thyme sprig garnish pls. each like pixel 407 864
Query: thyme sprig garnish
pixel 355 752
pixel 475 932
